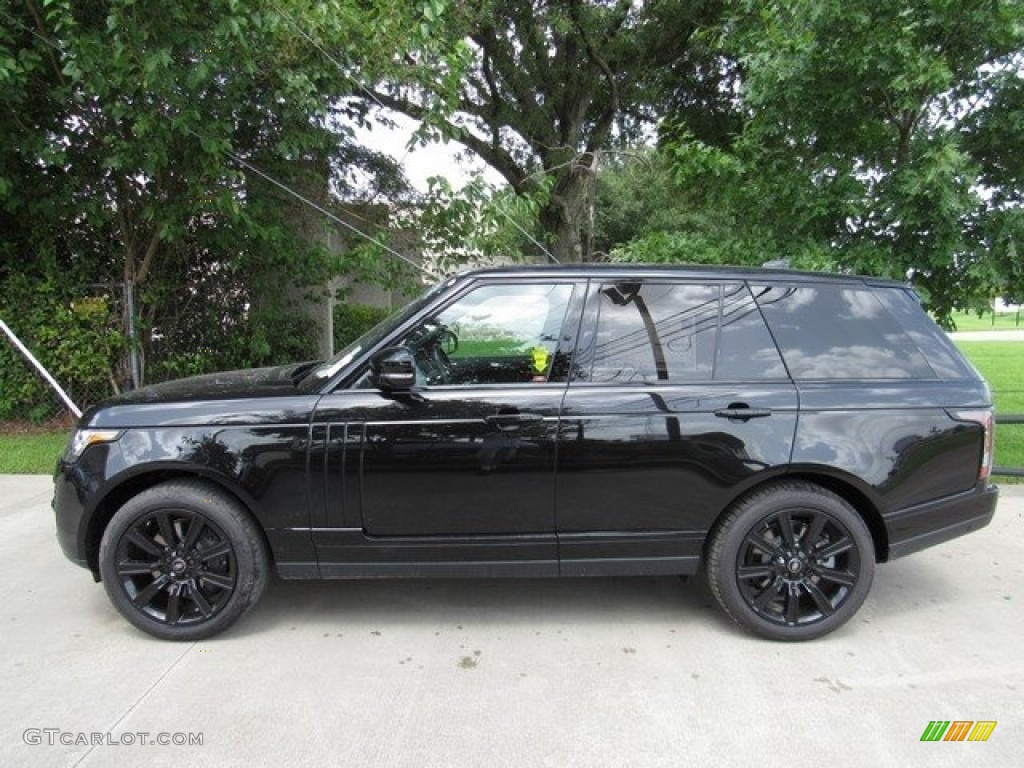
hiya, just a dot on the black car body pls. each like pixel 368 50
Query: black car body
pixel 783 430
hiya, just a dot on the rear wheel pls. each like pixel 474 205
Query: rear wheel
pixel 182 560
pixel 793 561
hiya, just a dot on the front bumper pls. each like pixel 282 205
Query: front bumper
pixel 70 517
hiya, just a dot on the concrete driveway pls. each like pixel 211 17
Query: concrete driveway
pixel 604 672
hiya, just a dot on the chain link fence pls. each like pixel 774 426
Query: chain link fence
pixel 39 407
pixel 31 397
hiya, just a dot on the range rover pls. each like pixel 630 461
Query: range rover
pixel 780 432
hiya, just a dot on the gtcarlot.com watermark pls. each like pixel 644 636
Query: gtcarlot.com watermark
pixel 54 736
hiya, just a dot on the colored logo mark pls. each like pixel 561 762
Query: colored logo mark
pixel 958 730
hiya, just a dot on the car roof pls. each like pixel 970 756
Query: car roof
pixel 717 272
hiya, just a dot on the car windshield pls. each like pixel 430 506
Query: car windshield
pixel 328 368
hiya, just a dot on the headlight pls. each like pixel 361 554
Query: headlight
pixel 83 438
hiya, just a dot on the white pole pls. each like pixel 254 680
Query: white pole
pixel 42 371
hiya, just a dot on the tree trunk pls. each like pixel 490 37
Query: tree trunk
pixel 566 217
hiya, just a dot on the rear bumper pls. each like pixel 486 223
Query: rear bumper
pixel 915 528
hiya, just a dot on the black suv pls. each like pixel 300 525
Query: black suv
pixel 783 431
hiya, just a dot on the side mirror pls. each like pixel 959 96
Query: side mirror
pixel 393 369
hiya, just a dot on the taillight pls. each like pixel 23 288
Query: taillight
pixel 985 418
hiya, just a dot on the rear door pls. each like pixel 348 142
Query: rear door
pixel 679 399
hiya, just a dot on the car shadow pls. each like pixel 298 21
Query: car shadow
pixel 508 602
pixel 907 586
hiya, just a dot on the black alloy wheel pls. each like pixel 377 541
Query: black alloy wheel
pixel 176 566
pixel 182 560
pixel 791 562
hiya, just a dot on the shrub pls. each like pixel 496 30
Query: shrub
pixel 77 338
pixel 353 320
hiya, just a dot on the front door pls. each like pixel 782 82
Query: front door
pixel 462 466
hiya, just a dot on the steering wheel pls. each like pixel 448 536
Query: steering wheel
pixel 431 348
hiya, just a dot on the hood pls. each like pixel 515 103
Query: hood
pixel 253 382
pixel 257 395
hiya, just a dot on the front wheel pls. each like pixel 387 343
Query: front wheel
pixel 182 560
pixel 793 561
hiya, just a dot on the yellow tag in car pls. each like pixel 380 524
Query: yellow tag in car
pixel 541 357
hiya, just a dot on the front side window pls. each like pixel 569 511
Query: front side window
pixel 328 368
pixel 495 334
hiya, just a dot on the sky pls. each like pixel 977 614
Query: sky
pixel 448 160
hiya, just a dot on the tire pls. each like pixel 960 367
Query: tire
pixel 183 560
pixel 792 561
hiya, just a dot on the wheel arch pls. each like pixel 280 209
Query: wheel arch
pixel 133 485
pixel 846 488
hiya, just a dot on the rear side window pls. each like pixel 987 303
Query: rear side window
pixel 839 332
pixel 650 333
pixel 746 351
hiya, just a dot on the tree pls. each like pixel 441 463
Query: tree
pixel 643 214
pixel 870 132
pixel 549 85
pixel 994 138
pixel 137 131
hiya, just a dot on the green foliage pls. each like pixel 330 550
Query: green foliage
pixel 547 86
pixel 353 320
pixel 635 196
pixel 866 136
pixel 76 336
pixel 478 223
pixel 136 134
pixel 684 248
pixel 664 207
pixel 871 132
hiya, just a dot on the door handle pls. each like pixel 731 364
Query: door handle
pixel 742 413
pixel 513 420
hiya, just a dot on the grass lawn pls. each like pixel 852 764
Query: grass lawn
pixel 1000 321
pixel 30 453
pixel 1002 363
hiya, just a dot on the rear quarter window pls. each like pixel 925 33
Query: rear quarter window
pixel 933 343
pixel 834 331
